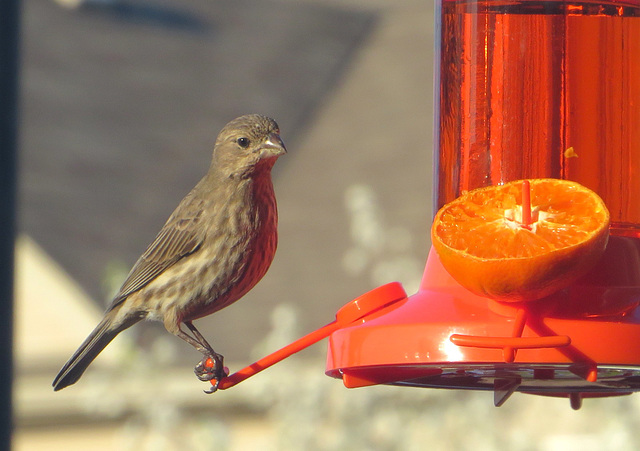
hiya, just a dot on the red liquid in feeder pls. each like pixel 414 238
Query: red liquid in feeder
pixel 532 89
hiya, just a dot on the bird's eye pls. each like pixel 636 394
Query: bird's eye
pixel 243 142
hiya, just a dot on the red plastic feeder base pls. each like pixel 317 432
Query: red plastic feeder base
pixel 582 342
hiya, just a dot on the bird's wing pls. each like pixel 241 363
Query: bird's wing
pixel 178 238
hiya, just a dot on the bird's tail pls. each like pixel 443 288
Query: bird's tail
pixel 90 348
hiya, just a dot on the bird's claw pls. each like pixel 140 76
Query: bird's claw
pixel 211 368
pixel 203 371
pixel 213 389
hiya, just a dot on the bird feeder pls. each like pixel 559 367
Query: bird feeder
pixel 524 89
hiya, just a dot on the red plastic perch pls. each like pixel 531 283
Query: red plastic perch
pixel 355 310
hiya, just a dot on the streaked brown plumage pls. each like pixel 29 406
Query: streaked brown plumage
pixel 212 250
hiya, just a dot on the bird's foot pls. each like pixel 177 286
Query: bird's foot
pixel 211 369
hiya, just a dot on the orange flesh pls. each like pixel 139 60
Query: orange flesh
pixel 487 224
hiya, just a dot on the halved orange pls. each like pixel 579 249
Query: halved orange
pixel 494 247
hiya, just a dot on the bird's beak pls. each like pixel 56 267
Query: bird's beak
pixel 273 146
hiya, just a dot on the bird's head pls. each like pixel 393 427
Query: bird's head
pixel 248 144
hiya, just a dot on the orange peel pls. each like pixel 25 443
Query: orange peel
pixel 501 243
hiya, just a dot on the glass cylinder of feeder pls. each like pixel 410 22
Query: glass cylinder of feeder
pixel 532 89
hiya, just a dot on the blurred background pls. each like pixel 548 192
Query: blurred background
pixel 121 101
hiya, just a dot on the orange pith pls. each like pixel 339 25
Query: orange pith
pixel 483 243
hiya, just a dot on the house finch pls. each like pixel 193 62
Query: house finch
pixel 212 250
